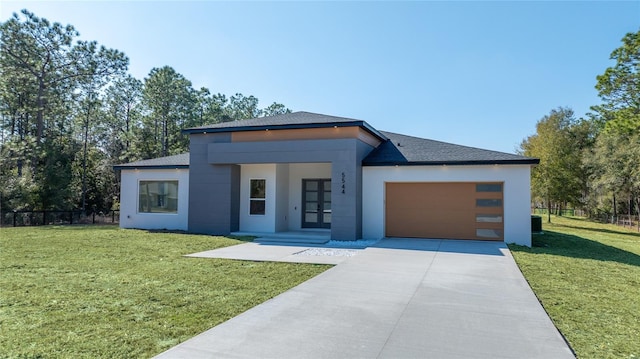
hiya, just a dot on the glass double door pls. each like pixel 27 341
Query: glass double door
pixel 316 203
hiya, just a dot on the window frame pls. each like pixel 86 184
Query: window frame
pixel 177 184
pixel 257 199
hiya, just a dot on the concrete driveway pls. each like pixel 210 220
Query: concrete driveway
pixel 402 298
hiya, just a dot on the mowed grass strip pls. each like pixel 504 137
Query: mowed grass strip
pixel 105 292
pixel 587 276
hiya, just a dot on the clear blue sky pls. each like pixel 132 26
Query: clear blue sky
pixel 473 73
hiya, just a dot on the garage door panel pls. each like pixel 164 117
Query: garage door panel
pixel 435 231
pixel 444 210
pixel 452 221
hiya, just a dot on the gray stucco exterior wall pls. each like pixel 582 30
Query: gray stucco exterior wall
pixel 362 151
pixel 215 178
pixel 214 195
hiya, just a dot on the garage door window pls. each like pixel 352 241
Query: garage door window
pixel 489 187
pixel 484 202
pixel 489 218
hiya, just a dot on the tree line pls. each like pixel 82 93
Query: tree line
pixel 69 111
pixel 593 163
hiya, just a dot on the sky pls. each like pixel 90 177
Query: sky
pixel 475 73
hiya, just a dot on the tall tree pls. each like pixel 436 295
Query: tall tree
pixel 243 107
pixel 275 109
pixel 17 120
pixel 39 52
pixel 99 66
pixel 559 142
pixel 45 55
pixel 123 110
pixel 171 102
pixel 68 111
pixel 43 66
pixel 615 157
pixel 619 87
pixel 614 167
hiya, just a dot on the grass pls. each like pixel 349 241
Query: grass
pixel 587 276
pixel 105 292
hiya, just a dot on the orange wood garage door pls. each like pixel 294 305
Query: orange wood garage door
pixel 444 210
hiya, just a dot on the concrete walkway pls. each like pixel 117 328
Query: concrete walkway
pixel 399 299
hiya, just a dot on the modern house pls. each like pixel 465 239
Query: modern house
pixel 310 172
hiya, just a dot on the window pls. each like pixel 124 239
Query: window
pixel 257 197
pixel 158 197
pixel 489 218
pixel 488 202
pixel 489 187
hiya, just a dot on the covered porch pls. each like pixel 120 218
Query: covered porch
pixel 275 185
pixel 285 200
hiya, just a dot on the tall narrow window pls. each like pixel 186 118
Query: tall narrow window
pixel 257 197
pixel 158 197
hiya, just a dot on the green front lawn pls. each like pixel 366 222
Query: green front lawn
pixel 587 276
pixel 87 292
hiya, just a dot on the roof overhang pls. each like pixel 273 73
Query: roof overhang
pixel 530 162
pixel 361 124
pixel 157 167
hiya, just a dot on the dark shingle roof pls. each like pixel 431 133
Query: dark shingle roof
pixel 293 120
pixel 396 149
pixel 408 150
pixel 176 161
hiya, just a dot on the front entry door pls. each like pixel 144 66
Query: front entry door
pixel 316 203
